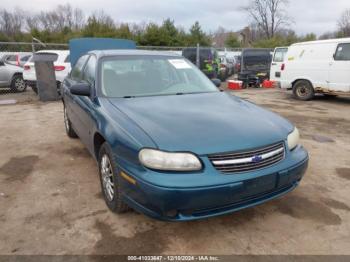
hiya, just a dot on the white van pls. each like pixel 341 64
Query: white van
pixel 317 67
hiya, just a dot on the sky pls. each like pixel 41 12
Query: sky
pixel 308 15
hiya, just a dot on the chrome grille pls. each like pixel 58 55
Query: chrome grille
pixel 236 162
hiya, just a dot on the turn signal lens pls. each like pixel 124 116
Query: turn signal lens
pixel 293 139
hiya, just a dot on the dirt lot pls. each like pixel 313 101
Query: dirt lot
pixel 50 201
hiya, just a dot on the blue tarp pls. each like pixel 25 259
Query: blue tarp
pixel 80 46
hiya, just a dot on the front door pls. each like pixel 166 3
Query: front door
pixel 339 69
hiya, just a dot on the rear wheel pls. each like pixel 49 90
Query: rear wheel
pixel 18 84
pixel 110 180
pixel 303 90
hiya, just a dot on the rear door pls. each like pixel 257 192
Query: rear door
pixel 277 61
pixel 339 69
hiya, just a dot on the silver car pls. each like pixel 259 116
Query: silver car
pixel 11 76
pixel 18 59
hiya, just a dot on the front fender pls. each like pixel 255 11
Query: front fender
pixel 120 132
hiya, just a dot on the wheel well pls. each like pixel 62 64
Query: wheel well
pixel 16 74
pixel 301 79
pixel 98 141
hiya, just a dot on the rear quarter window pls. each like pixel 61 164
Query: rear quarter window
pixel 25 58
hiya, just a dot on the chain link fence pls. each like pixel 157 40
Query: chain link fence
pixel 15 55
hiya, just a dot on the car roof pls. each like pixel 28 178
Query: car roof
pixel 328 41
pixel 59 52
pixel 131 52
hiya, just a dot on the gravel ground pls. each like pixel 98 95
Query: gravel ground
pixel 50 200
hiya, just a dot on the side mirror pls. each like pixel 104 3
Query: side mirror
pixel 2 63
pixel 216 82
pixel 334 56
pixel 81 89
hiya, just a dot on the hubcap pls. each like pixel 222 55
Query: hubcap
pixel 107 177
pixel 303 91
pixel 19 84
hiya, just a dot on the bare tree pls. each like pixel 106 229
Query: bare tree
pixel 219 37
pixel 268 15
pixel 11 23
pixel 102 18
pixel 344 23
pixel 63 16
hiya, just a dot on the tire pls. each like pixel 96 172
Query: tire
pixel 18 84
pixel 330 96
pixel 110 180
pixel 35 89
pixel 303 90
pixel 68 124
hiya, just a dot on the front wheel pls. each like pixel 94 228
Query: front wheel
pixel 303 90
pixel 68 124
pixel 18 84
pixel 109 180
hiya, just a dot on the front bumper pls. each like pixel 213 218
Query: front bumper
pixel 192 203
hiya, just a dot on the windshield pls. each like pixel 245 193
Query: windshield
pixel 256 60
pixel 133 76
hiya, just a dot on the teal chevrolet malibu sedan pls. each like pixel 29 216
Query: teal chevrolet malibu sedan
pixel 170 144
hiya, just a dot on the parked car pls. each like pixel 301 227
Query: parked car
pixel 255 66
pixel 208 59
pixel 169 144
pixel 11 76
pixel 237 64
pixel 61 65
pixel 226 67
pixel 317 67
pixel 277 64
pixel 231 62
pixel 18 59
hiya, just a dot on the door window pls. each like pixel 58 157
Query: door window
pixel 77 71
pixel 343 52
pixel 89 70
pixel 280 54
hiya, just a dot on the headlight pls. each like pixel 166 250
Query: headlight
pixel 293 139
pixel 160 160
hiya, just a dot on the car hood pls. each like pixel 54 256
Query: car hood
pixel 204 123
